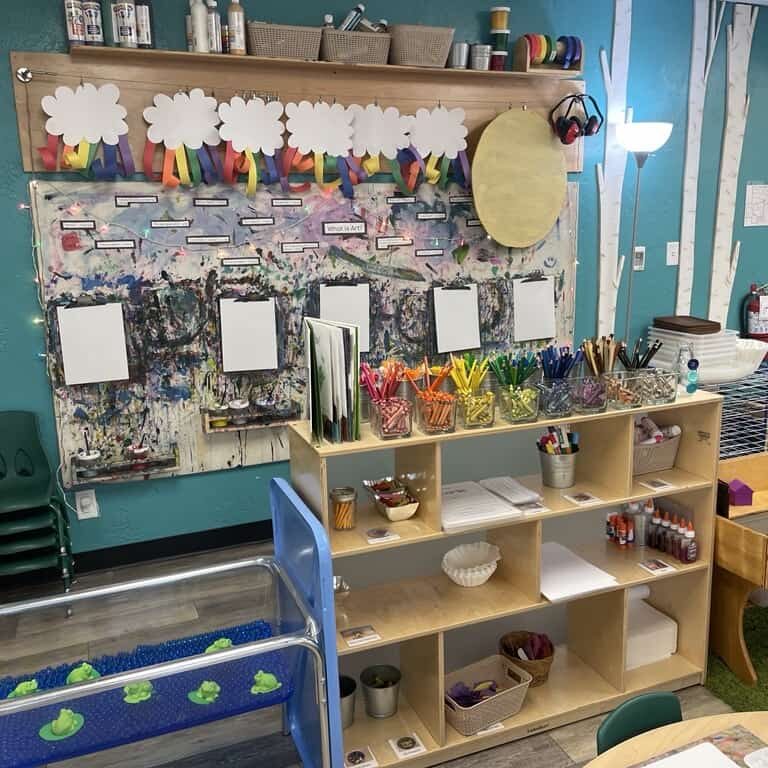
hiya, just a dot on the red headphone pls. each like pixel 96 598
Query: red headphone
pixel 569 127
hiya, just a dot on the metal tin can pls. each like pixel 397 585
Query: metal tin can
pixel 480 57
pixel 94 29
pixel 126 24
pixel 459 56
pixel 73 11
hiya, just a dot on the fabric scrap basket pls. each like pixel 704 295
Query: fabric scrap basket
pixel 283 41
pixel 354 47
pixel 537 668
pixel 513 684
pixel 416 46
pixel 656 457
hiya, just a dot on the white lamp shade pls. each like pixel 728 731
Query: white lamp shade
pixel 643 137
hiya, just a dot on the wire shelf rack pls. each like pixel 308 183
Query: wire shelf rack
pixel 744 427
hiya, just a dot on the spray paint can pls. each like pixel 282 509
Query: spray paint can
pixel 352 19
pixel 225 38
pixel 94 30
pixel 73 12
pixel 144 23
pixel 109 24
pixel 190 34
pixel 214 27
pixel 126 24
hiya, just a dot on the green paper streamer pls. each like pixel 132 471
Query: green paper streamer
pixel 194 166
pixel 445 167
pixel 394 168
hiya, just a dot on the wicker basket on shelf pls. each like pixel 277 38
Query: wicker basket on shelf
pixel 655 457
pixel 417 46
pixel 355 47
pixel 513 684
pixel 284 41
pixel 538 669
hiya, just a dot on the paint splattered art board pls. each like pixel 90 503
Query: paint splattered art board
pixel 169 256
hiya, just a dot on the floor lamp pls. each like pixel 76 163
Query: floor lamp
pixel 640 139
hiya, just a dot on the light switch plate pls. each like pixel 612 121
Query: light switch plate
pixel 673 253
pixel 86 505
pixel 638 260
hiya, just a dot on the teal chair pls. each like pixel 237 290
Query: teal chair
pixel 34 527
pixel 638 715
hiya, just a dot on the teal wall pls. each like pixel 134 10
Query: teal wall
pixel 657 90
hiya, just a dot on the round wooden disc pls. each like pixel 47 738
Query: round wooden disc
pixel 518 178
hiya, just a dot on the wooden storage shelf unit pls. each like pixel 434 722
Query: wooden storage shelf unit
pixel 419 616
pixel 521 63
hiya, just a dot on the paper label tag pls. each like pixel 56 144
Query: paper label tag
pixel 763 308
pixel 360 635
pixel 424 252
pixel 344 228
pixel 582 498
pixel 298 247
pixel 360 757
pixel 170 223
pixel 385 243
pixel 491 729
pixel 244 261
pixel 656 484
pixel 380 535
pixel 402 751
pixel 257 221
pixel 208 239
pixel 432 216
pixel 78 224
pixel 287 202
pixel 123 201
pixel 474 223
pixel 211 202
pixel 401 200
pixel 532 508
pixel 456 199
pixel 115 244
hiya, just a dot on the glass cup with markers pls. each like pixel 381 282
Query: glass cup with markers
pixel 556 397
pixel 520 404
pixel 478 409
pixel 589 394
pixel 436 411
pixel 391 418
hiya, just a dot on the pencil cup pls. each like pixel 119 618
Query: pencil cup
pixel 381 686
pixel 624 390
pixel 344 508
pixel 436 412
pixel 658 387
pixel 589 394
pixel 347 689
pixel 478 410
pixel 520 404
pixel 558 470
pixel 391 418
pixel 556 398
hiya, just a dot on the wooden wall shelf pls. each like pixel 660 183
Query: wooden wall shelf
pixel 421 617
pixel 140 75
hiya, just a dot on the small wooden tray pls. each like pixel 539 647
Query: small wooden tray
pixel 686 324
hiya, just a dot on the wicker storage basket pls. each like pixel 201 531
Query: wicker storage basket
pixel 656 457
pixel 513 684
pixel 283 41
pixel 355 47
pixel 538 669
pixel 417 46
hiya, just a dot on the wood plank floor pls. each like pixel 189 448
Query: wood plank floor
pixel 252 740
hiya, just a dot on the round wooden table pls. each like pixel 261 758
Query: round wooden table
pixel 662 740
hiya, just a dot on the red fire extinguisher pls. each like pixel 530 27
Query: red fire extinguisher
pixel 754 322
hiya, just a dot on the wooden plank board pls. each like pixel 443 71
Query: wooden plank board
pixel 142 74
pixel 741 551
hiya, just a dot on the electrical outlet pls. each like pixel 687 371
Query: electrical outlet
pixel 86 504
pixel 673 253
pixel 638 258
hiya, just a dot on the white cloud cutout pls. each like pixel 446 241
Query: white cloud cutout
pixel 378 131
pixel 319 127
pixel 184 120
pixel 253 125
pixel 439 132
pixel 88 113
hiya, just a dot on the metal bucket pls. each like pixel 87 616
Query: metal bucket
pixel 348 688
pixel 380 702
pixel 558 470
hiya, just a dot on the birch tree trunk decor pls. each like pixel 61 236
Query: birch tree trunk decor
pixel 704 39
pixel 610 175
pixel 725 254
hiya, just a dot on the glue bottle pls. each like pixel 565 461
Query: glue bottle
pixel 199 15
pixel 689 549
pixel 236 22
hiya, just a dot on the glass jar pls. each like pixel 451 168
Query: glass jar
pixel 436 412
pixel 589 394
pixel 659 386
pixel 556 397
pixel 520 404
pixel 478 409
pixel 624 390
pixel 391 418
pixel 343 508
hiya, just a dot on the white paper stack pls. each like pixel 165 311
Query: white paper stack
pixel 468 505
pixel 565 574
pixel 651 636
pixel 705 755
pixel 510 490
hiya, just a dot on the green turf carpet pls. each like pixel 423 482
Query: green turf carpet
pixel 726 686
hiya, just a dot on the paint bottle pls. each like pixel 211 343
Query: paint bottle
pixel 622 533
pixel 126 24
pixel 674 527
pixel 630 532
pixel 664 534
pixel 609 531
pixel 109 22
pixel 328 21
pixel 352 19
pixel 653 533
pixel 214 27
pixel 689 551
pixel 94 29
pixel 236 23
pixel 190 39
pixel 199 14
pixel 225 38
pixel 73 13
pixel 144 23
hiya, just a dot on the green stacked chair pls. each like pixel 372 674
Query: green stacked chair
pixel 34 526
pixel 638 715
